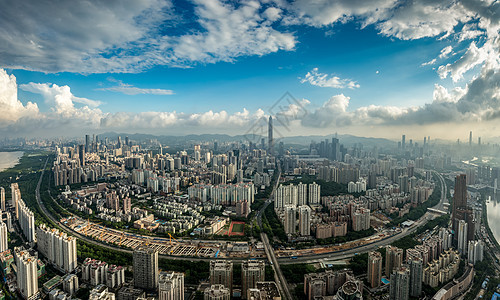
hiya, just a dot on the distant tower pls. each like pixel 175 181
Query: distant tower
pixel 470 138
pixel 270 135
pixel 87 143
pixel 403 138
pixel 479 141
pixel 81 154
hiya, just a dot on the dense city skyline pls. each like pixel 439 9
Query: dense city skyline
pixel 380 69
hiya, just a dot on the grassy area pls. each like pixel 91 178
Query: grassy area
pixel 294 273
pixel 238 227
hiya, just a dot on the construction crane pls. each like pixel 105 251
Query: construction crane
pixel 121 239
pixel 171 237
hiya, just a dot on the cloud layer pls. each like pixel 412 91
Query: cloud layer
pixel 131 36
pixel 314 77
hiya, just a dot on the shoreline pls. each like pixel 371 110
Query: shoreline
pixel 7 167
pixel 487 226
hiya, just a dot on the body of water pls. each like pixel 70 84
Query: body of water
pixel 493 208
pixel 9 159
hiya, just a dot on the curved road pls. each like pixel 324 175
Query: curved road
pixel 284 260
pixel 343 254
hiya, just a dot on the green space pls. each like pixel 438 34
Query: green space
pixel 328 188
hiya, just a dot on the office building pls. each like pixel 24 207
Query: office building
pixel 4 245
pixel 374 268
pixel 393 259
pixel 145 268
pixel 59 248
pixel 252 272
pixel 459 201
pixel 217 292
pixel 27 275
pixel 304 220
pixel 81 155
pixel 400 284
pixel 270 141
pixel 221 272
pixel 171 286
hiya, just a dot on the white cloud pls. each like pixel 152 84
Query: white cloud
pixel 12 109
pixel 230 31
pixel 473 57
pixel 324 80
pixel 431 62
pixel 419 19
pixel 445 52
pixel 129 89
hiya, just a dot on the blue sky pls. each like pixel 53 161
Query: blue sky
pixel 197 66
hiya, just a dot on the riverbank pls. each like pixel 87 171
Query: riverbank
pixel 487 226
pixel 9 159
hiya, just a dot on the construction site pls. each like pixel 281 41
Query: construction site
pixel 164 246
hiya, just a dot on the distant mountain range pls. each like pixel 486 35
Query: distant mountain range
pixel 345 139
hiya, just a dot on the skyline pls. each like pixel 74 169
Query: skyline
pixel 172 68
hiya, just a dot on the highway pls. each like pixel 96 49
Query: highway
pixel 343 254
pixel 278 275
pixel 313 258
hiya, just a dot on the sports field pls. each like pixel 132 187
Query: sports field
pixel 237 228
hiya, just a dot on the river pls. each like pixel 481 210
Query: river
pixel 493 208
pixel 9 159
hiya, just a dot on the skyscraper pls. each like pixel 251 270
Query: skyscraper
pixel 270 142
pixel 145 268
pixel 290 219
pixel 461 211
pixel 400 284
pixel 403 142
pixel 393 259
pixel 2 199
pixel 252 272
pixel 374 268
pixel 57 247
pixel 304 220
pixel 221 272
pixel 81 154
pixel 27 276
pixel 416 265
pixel 87 143
pixel 3 237
pixel 462 237
pixel 171 286
pixel 470 138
